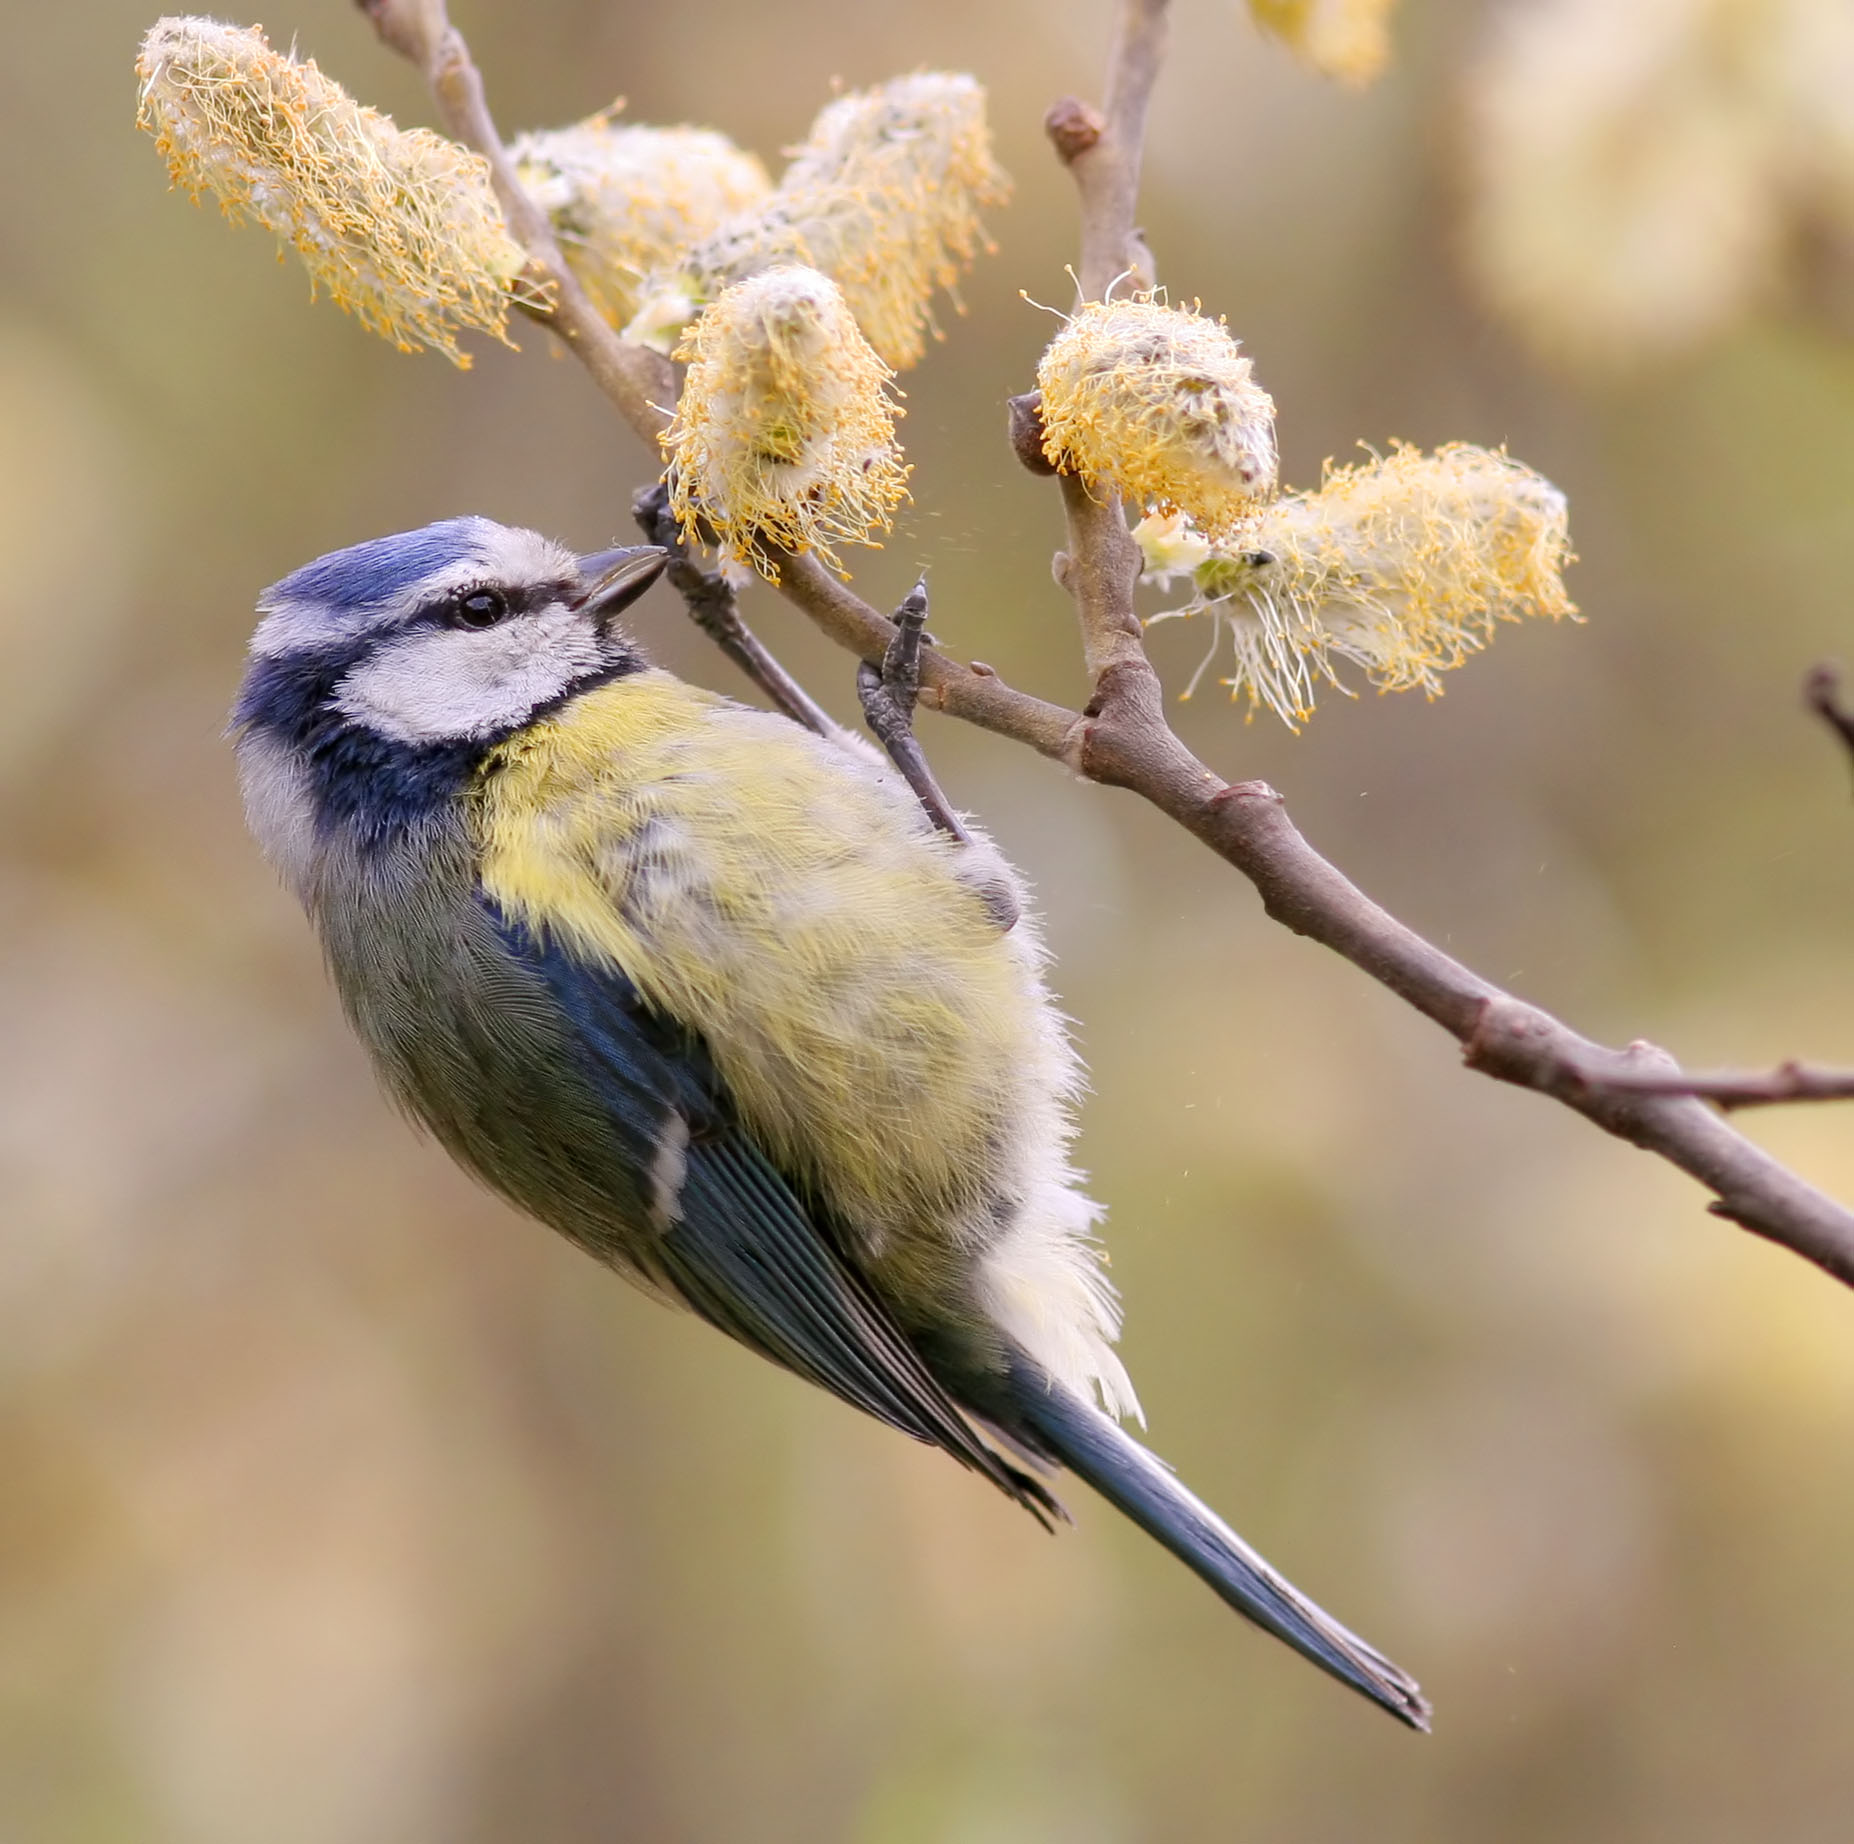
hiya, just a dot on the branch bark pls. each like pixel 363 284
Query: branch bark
pixel 639 382
pixel 1735 1088
pixel 1122 738
pixel 1128 743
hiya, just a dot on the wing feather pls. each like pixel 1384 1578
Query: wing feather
pixel 739 1245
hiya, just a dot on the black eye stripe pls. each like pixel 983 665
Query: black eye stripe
pixel 487 605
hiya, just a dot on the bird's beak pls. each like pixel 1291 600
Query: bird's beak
pixel 615 579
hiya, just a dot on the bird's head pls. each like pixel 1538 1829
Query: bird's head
pixel 453 635
pixel 380 675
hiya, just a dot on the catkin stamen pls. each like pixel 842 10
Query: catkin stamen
pixel 624 200
pixel 1403 566
pixel 1158 404
pixel 1346 40
pixel 400 226
pixel 883 197
pixel 784 438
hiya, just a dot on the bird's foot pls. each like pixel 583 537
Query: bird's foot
pixel 889 694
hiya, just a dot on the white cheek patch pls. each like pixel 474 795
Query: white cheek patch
pixel 442 685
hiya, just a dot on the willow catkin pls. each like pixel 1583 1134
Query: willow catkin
pixel 1403 565
pixel 784 437
pixel 922 138
pixel 883 196
pixel 625 199
pixel 400 226
pixel 1346 40
pixel 1624 174
pixel 1158 404
pixel 1812 59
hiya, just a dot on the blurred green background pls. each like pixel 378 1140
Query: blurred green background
pixel 337 1505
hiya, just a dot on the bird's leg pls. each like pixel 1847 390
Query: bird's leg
pixel 709 598
pixel 888 695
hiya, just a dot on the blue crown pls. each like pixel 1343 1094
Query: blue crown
pixel 365 575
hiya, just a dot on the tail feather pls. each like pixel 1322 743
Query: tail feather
pixel 1137 1483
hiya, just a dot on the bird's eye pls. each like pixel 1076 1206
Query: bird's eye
pixel 480 608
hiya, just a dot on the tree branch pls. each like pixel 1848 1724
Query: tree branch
pixel 1105 158
pixel 1128 743
pixel 640 382
pixel 1123 739
pixel 974 693
pixel 1102 562
pixel 709 598
pixel 1735 1088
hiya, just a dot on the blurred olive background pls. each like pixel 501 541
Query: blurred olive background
pixel 337 1505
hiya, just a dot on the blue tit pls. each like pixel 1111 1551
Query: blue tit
pixel 710 995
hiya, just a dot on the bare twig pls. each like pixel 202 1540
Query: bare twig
pixel 1735 1088
pixel 1123 740
pixel 709 598
pixel 1501 1036
pixel 1106 164
pixel 641 383
pixel 1127 742
pixel 1821 691
pixel 974 693
pixel 1102 562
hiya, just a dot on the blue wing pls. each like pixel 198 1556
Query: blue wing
pixel 740 1247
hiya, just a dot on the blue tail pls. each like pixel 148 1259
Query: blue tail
pixel 1092 1446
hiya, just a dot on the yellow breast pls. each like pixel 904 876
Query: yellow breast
pixel 784 896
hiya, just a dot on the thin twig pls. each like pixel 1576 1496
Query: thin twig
pixel 1123 740
pixel 1821 691
pixel 1106 167
pixel 1735 1088
pixel 1102 562
pixel 640 382
pixel 974 693
pixel 709 598
pixel 1130 744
